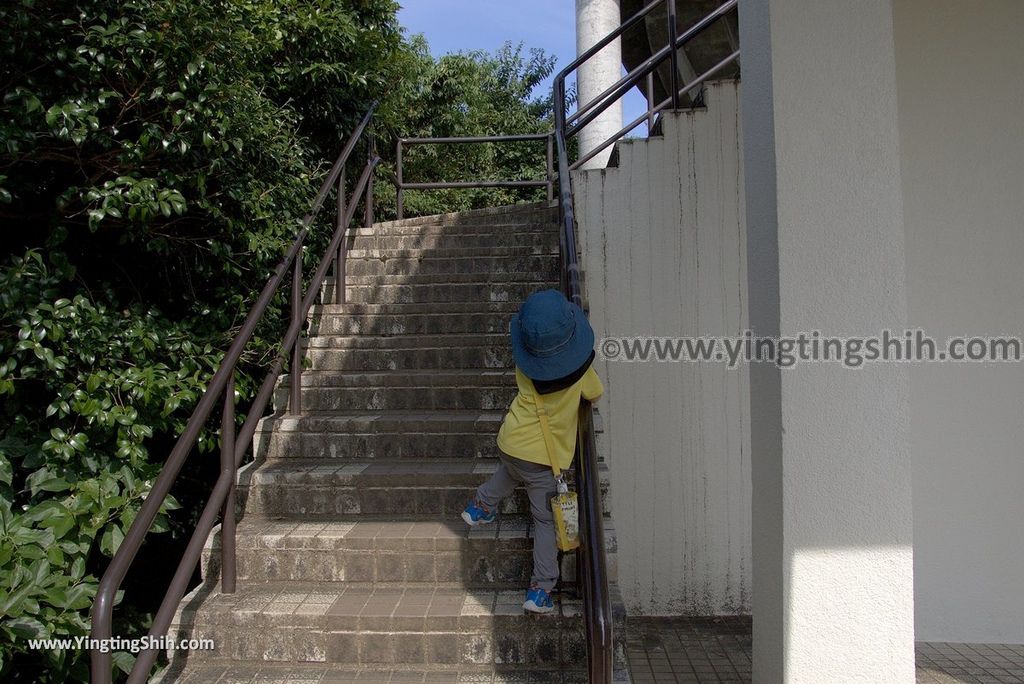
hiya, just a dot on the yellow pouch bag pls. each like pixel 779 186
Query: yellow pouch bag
pixel 564 504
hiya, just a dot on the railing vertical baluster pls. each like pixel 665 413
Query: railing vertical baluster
pixel 296 370
pixel 400 190
pixel 551 166
pixel 650 103
pixel 339 264
pixel 368 213
pixel 673 31
pixel 227 464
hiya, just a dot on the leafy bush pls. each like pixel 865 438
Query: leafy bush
pixel 156 157
pixel 73 474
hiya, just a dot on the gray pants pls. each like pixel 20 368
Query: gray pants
pixel 540 487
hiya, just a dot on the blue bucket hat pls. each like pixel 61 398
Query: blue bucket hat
pixel 551 336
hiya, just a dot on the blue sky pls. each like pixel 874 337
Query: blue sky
pixel 457 25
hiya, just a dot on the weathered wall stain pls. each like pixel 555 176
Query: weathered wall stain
pixel 663 239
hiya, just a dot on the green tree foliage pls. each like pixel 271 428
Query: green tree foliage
pixel 156 157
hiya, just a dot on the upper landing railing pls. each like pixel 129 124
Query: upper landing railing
pixel 402 185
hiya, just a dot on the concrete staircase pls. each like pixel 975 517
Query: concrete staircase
pixel 352 562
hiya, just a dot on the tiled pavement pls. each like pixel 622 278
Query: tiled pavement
pixel 705 650
pixel 689 649
pixel 942 663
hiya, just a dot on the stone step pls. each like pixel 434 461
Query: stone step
pixel 444 551
pixel 543 266
pixel 409 324
pixel 516 214
pixel 381 626
pixel 270 673
pixel 401 289
pixel 417 377
pixel 425 398
pixel 307 490
pixel 471 223
pixel 455 252
pixel 411 341
pixel 476 388
pixel 497 355
pixel 374 435
pixel 543 236
pixel 380 436
pixel 413 308
pixel 478 279
pixel 527 222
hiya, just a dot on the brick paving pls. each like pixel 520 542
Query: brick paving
pixel 689 649
pixel 706 650
pixel 944 663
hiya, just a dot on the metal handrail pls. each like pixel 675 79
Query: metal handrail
pixel 652 110
pixel 648 66
pixel 401 185
pixel 597 609
pixel 586 113
pixel 233 445
pixel 600 45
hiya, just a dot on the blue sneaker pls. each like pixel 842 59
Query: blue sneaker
pixel 475 514
pixel 538 601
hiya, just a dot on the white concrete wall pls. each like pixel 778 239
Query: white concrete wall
pixel 961 110
pixel 833 563
pixel 664 254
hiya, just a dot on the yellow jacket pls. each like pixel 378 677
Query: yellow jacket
pixel 520 435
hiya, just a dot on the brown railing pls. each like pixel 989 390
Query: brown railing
pixel 233 445
pixel 597 609
pixel 402 185
pixel 570 125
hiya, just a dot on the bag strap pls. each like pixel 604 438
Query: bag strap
pixel 545 427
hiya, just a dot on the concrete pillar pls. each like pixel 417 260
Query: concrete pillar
pixel 832 524
pixel 595 19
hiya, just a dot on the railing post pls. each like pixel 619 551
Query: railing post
pixel 339 264
pixel 400 192
pixel 551 166
pixel 295 404
pixel 368 212
pixel 227 464
pixel 672 35
pixel 563 254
